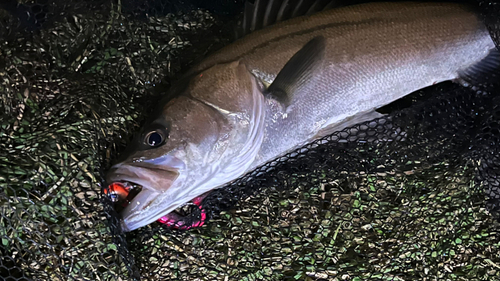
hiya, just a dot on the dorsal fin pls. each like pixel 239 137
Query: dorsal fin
pixel 261 13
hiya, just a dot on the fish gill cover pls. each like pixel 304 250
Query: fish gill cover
pixel 411 196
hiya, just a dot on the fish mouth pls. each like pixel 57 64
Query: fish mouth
pixel 123 194
pixel 144 194
pixel 137 192
pixel 152 178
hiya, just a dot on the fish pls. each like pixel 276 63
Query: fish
pixel 288 81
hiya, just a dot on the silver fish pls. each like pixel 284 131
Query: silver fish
pixel 285 85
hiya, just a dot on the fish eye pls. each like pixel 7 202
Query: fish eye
pixel 154 138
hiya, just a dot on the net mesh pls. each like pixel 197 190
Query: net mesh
pixel 411 196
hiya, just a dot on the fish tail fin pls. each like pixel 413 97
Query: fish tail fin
pixel 484 74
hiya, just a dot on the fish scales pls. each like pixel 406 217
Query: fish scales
pixel 285 85
pixel 375 53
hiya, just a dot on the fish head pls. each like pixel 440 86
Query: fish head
pixel 205 136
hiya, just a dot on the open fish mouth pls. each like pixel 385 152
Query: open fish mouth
pixel 121 195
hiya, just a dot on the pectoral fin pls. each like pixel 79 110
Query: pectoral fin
pixel 299 71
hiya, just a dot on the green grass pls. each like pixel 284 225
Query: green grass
pixel 352 228
pixel 70 94
pixel 70 97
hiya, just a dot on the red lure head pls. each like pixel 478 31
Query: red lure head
pixel 118 192
pixel 122 193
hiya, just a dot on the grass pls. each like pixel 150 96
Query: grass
pixel 359 228
pixel 72 93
